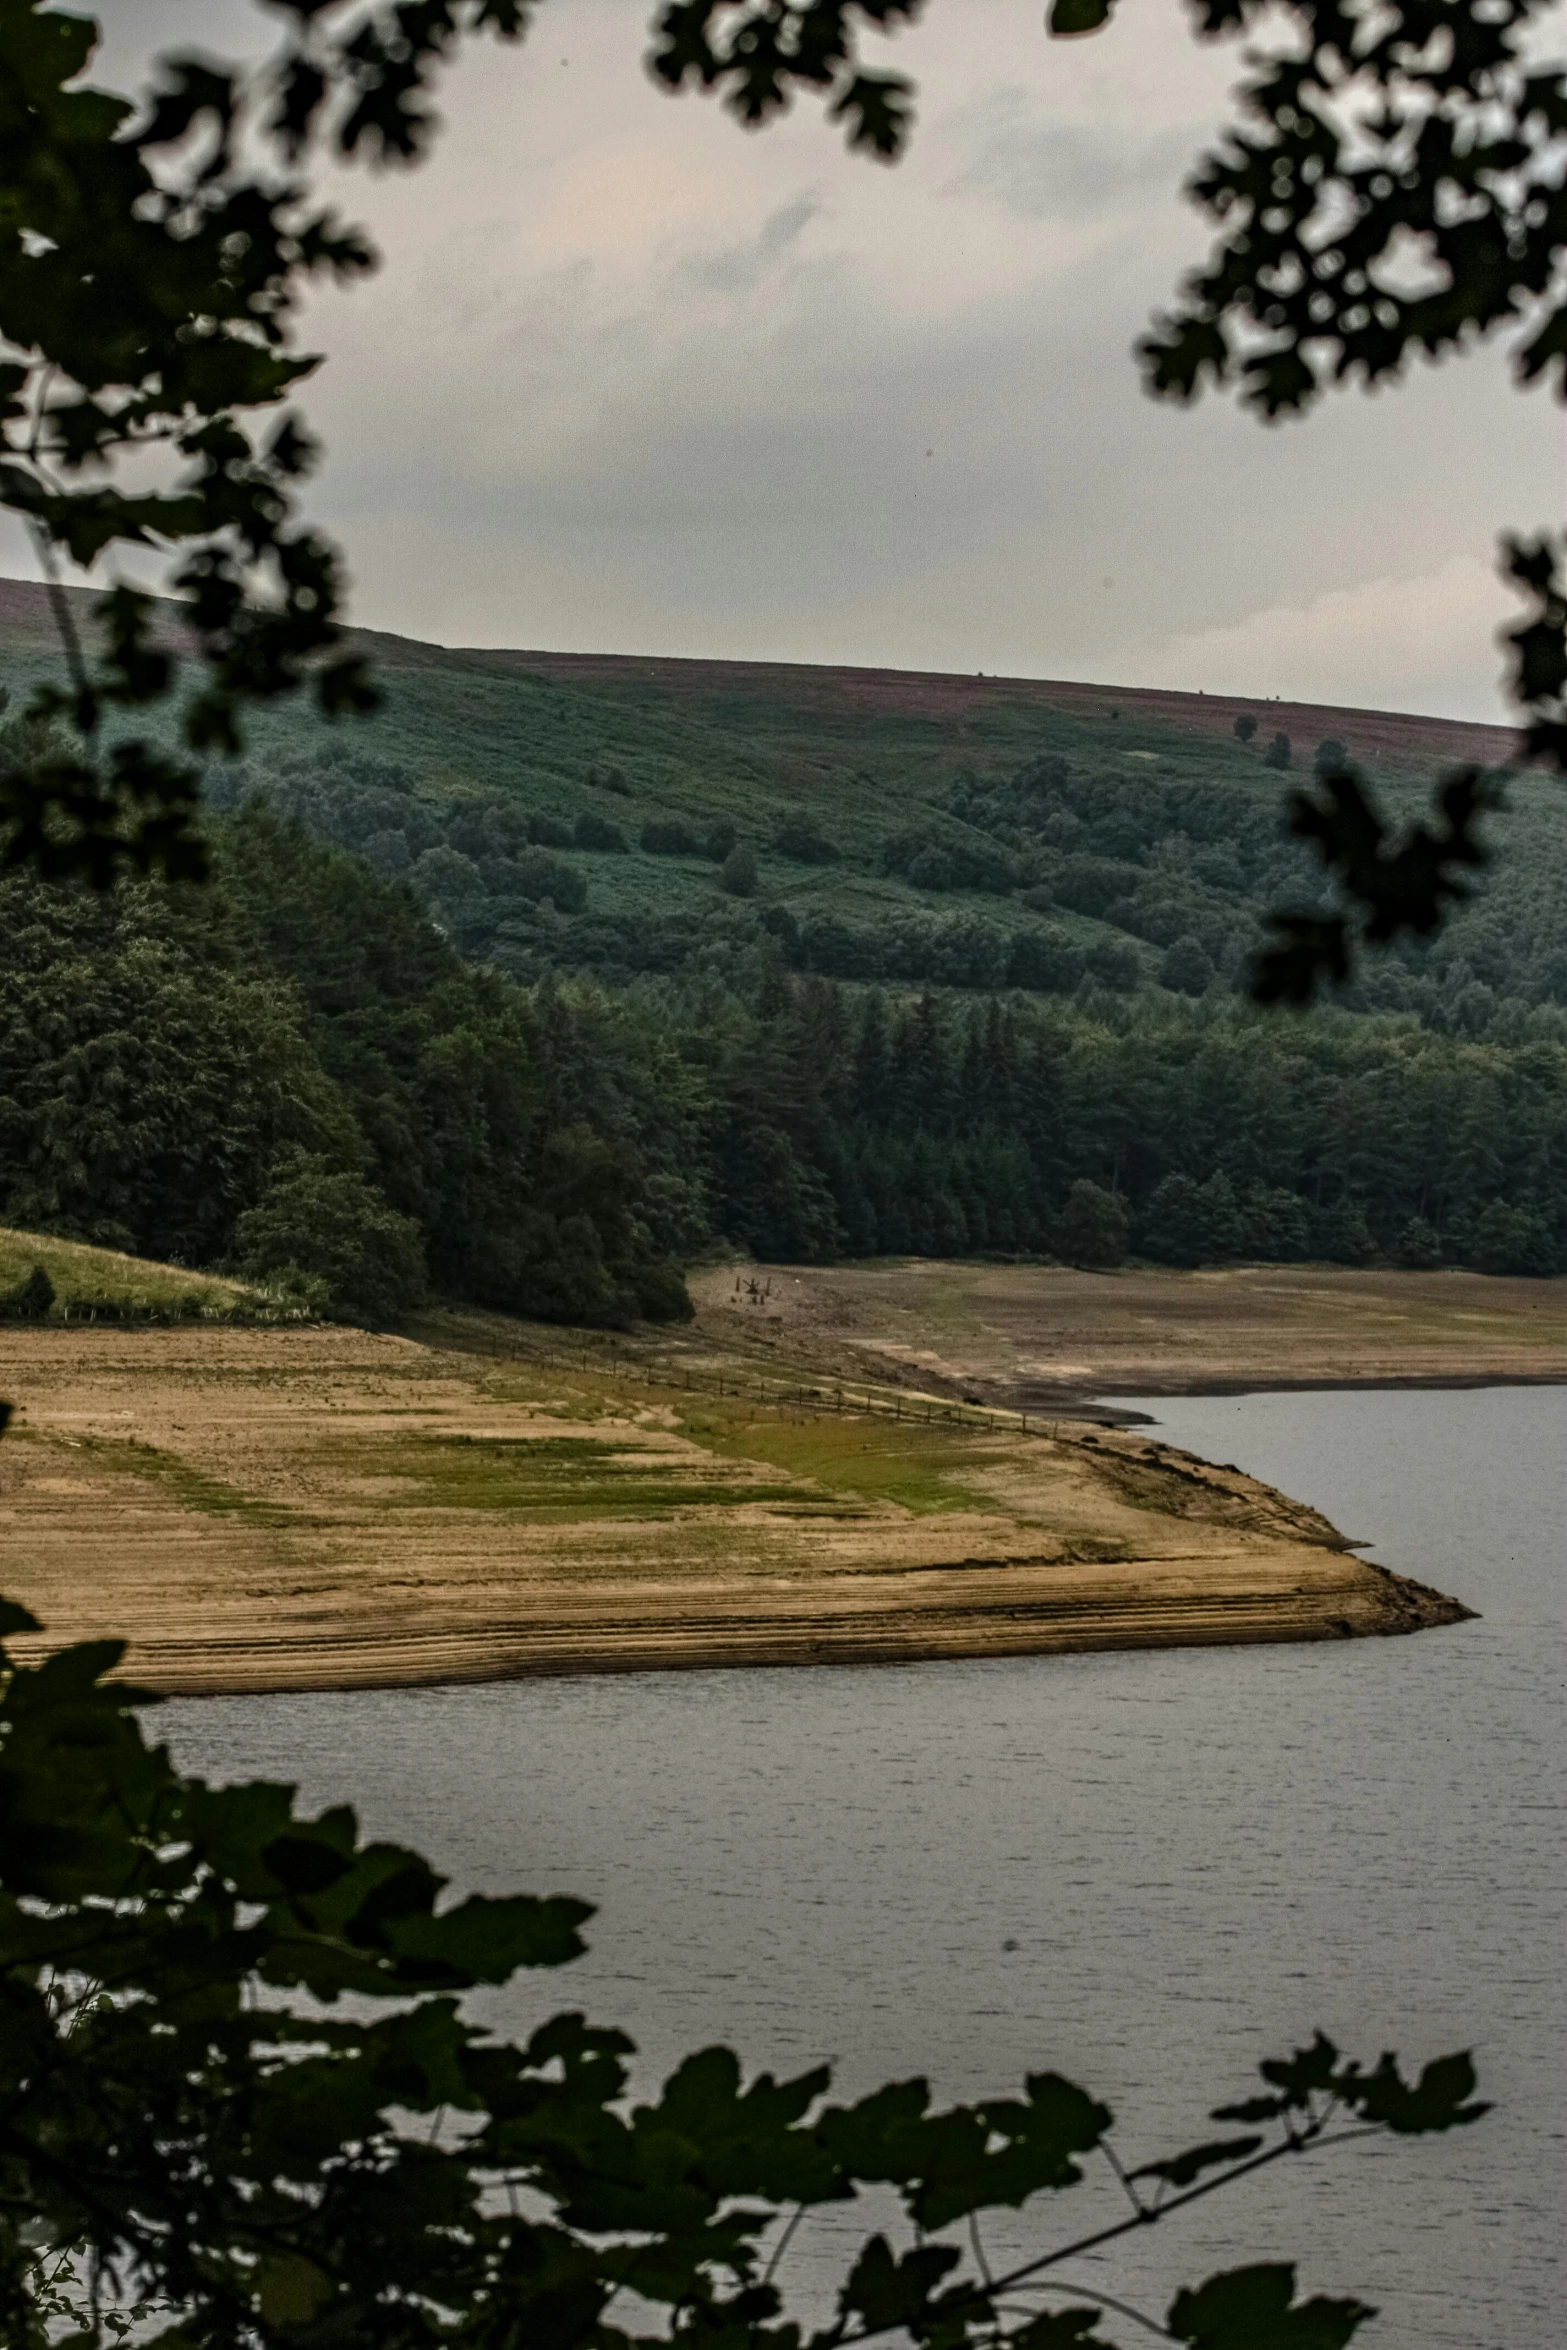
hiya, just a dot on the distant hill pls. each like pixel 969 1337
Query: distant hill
pixel 576 811
pixel 842 702
pixel 846 699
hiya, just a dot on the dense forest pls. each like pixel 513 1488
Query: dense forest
pixel 295 1074
pixel 289 1072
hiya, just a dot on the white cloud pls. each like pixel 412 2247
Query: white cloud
pixel 1409 644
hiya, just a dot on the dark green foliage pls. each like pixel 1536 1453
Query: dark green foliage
pixel 595 832
pixel 1341 1233
pixel 1187 1222
pixel 939 863
pixel 1399 888
pixel 938 1129
pixel 294 1069
pixel 1190 1223
pixel 329 1224
pixel 1278 752
pixel 759 55
pixel 738 873
pixel 1418 1246
pixel 170 2133
pixel 209 242
pixel 148 1077
pixel 201 2136
pixel 1315 201
pixel 1245 727
pixel 669 840
pixel 162 1055
pixel 1510 1239
pixel 1330 756
pixel 1251 2306
pixel 154 263
pixel 1184 845
pixel 1110 963
pixel 1275 1225
pixel 1169 856
pixel 30 1300
pixel 1364 128
pixel 1093 1227
pixel 798 839
pixel 447 879
pixel 1047 963
pixel 720 841
pixel 1185 967
pixel 535 874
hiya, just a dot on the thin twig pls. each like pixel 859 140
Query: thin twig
pixel 1125 2227
pixel 59 605
pixel 1114 2160
pixel 1106 2301
pixel 782 2245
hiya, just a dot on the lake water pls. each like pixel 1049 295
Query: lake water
pixel 1146 1870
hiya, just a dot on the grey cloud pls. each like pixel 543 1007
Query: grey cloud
pixel 735 269
pixel 1043 170
pixel 893 418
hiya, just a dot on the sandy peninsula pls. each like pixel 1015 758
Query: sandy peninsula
pixel 324 1508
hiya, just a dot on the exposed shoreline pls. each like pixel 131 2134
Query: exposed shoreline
pixel 1099 1405
pixel 1053 1339
pixel 268 1510
pixel 1370 1382
pixel 1008 1627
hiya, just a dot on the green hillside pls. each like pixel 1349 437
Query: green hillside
pixel 618 818
pixel 973 834
pixel 562 971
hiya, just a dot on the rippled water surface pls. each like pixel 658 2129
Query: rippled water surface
pixel 1145 1869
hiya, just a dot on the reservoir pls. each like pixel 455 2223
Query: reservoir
pixel 1147 1870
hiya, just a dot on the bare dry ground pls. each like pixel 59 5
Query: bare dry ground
pixel 322 1508
pixel 1043 1336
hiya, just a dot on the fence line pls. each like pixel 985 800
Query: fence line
pixel 818 1396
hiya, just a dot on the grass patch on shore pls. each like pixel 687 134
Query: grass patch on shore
pixel 920 1469
pixel 189 1487
pixel 555 1478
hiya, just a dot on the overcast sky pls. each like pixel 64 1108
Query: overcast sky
pixel 634 380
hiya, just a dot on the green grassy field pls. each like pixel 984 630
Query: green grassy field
pixel 101 1283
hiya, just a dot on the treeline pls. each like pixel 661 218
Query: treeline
pixel 292 1074
pixel 867 1125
